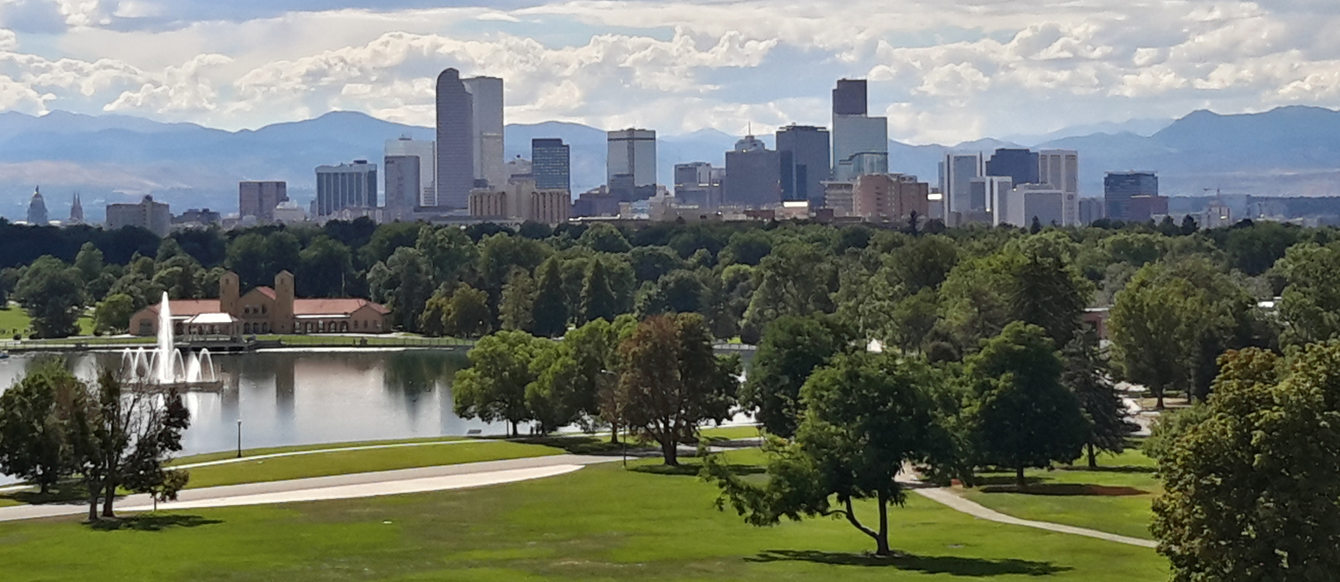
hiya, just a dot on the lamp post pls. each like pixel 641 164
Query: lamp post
pixel 239 438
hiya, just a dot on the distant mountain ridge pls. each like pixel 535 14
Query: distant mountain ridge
pixel 1291 150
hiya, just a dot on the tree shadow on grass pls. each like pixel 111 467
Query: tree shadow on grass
pixel 585 445
pixel 952 565
pixel 152 522
pixel 1118 469
pixel 693 469
pixel 70 492
pixel 1066 490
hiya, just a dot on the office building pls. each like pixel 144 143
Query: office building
pixel 753 175
pixel 632 152
pixel 805 156
pixel 487 129
pixel 402 187
pixel 346 186
pixel 957 172
pixel 890 198
pixel 1090 210
pixel 850 97
pixel 259 199
pixel 840 198
pixel 37 209
pixel 1029 202
pixel 426 151
pixel 1144 208
pixel 987 190
pixel 1120 187
pixel 551 163
pixel 76 211
pixel 156 217
pixel 1020 165
pixel 860 142
pixel 519 167
pixel 1060 169
pixel 699 185
pixel 455 142
pixel 521 201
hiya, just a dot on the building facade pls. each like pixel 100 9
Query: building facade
pixel 551 164
pixel 487 139
pixel 1060 169
pixel 76 210
pixel 859 140
pixel 426 151
pixel 753 175
pixel 1029 202
pixel 1020 165
pixel 37 209
pixel 890 198
pixel 156 217
pixel 402 187
pixel 264 310
pixel 1120 187
pixel 632 152
pixel 259 198
pixel 455 168
pixel 521 201
pixel 699 185
pixel 850 97
pixel 988 190
pixel 346 186
pixel 805 158
pixel 957 172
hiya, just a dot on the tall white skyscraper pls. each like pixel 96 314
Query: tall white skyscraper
pixel 632 152
pixel 488 129
pixel 426 151
pixel 956 175
pixel 1060 170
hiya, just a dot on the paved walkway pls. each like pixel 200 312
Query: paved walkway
pixel 397 482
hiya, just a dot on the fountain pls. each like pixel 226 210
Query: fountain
pixel 165 367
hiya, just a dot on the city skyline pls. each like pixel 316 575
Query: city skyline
pixel 941 73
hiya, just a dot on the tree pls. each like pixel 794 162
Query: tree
pixel 796 279
pixel 746 248
pixel 866 417
pixel 1310 304
pixel 792 348
pixel 1252 489
pixel 53 295
pixel 1020 415
pixel 1045 289
pixel 404 283
pixel 89 262
pixel 672 382
pixel 112 315
pixel 467 314
pixel 604 238
pixel 34 418
pixel 652 263
pixel 550 311
pixel 448 250
pixel 324 268
pixel 1109 423
pixel 597 299
pixel 517 308
pixel 493 388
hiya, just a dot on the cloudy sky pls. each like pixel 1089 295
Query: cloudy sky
pixel 942 70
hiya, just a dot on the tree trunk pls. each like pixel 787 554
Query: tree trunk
pixel 614 433
pixel 882 539
pixel 670 449
pixel 92 503
pixel 514 432
pixel 1093 458
pixel 108 496
pixel 1019 477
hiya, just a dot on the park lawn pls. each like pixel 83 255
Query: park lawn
pixel 362 461
pixel 731 432
pixel 13 319
pixel 1115 498
pixel 600 523
pixel 222 455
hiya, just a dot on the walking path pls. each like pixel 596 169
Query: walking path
pixel 397 482
pixel 953 501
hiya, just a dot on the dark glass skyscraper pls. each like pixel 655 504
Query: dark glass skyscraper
pixel 455 141
pixel 1020 165
pixel 804 158
pixel 849 97
pixel 1120 187
pixel 550 163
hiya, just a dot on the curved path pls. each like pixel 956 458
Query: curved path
pixel 953 501
pixel 397 482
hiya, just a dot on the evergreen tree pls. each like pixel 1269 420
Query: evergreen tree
pixel 550 311
pixel 598 301
pixel 1085 374
pixel 516 310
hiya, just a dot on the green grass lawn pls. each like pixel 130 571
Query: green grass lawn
pixel 13 320
pixel 731 432
pixel 600 523
pixel 1116 498
pixel 207 457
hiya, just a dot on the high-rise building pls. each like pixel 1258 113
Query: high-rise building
pixel 487 141
pixel 890 198
pixel 156 217
pixel 753 175
pixel 346 186
pixel 850 97
pixel 699 184
pixel 860 142
pixel 551 163
pixel 1060 169
pixel 1028 202
pixel 76 210
pixel 37 209
pixel 987 191
pixel 632 152
pixel 805 158
pixel 426 151
pixel 455 142
pixel 402 187
pixel 1020 165
pixel 1090 210
pixel 1120 187
pixel 956 175
pixel 259 199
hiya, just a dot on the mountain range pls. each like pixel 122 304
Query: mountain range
pixel 113 158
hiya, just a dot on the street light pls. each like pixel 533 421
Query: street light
pixel 239 438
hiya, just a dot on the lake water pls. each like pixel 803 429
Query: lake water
pixel 296 398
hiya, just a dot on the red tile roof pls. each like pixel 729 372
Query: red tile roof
pixel 189 307
pixel 333 306
pixel 266 291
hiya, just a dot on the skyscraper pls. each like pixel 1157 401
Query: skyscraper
pixel 426 151
pixel 550 161
pixel 1060 169
pixel 753 175
pixel 632 152
pixel 956 175
pixel 402 187
pixel 156 217
pixel 259 199
pixel 455 142
pixel 346 186
pixel 1020 165
pixel 487 104
pixel 37 209
pixel 805 156
pixel 860 142
pixel 1119 188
